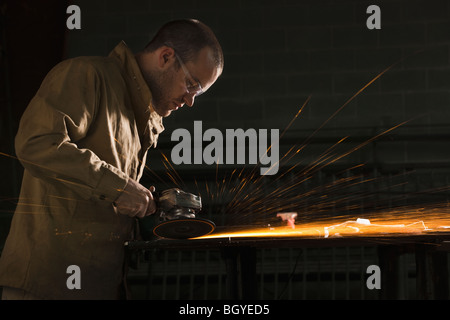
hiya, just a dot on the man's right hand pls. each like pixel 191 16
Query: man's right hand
pixel 136 200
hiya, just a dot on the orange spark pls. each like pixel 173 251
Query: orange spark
pixel 360 227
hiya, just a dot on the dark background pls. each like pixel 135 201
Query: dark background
pixel 277 54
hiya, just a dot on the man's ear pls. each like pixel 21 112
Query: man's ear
pixel 166 57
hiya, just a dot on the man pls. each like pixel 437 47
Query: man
pixel 83 142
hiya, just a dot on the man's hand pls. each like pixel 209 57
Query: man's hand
pixel 136 200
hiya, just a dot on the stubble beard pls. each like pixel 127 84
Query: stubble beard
pixel 159 85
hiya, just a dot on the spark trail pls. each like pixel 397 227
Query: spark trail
pixel 254 200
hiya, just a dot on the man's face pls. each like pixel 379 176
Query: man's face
pixel 171 85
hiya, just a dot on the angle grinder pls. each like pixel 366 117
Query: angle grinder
pixel 178 219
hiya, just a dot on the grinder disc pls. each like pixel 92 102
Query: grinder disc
pixel 184 228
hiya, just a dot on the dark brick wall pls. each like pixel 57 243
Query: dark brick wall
pixel 278 53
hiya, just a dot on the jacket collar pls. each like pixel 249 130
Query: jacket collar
pixel 141 95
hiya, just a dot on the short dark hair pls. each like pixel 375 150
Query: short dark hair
pixel 187 37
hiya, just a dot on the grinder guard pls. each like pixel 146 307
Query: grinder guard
pixel 177 215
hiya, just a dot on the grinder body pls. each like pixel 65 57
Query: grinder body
pixel 177 211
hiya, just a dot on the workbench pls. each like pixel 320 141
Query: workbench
pixel 239 256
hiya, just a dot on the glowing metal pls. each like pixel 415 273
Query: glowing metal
pixel 361 227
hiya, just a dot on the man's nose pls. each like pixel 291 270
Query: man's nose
pixel 189 99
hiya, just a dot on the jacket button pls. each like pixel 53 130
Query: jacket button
pixel 102 197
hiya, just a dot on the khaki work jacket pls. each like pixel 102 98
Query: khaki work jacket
pixel 83 135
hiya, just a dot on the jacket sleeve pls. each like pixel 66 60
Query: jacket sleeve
pixel 57 117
